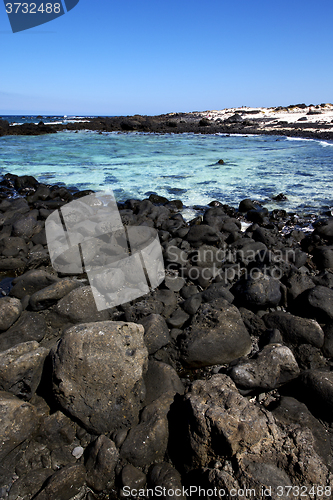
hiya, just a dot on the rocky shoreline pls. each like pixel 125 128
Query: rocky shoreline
pixel 220 379
pixel 300 120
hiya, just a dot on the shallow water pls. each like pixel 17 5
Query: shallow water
pixel 180 166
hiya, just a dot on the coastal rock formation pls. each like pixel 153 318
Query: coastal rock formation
pixel 220 377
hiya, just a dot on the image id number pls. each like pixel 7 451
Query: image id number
pixel 32 8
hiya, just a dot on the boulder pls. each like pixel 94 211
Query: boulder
pixel 217 335
pixel 97 374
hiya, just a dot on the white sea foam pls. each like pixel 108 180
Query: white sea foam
pixel 325 144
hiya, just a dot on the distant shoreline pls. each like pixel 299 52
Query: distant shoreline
pixel 312 122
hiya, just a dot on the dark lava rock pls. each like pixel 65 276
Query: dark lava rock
pixel 270 368
pixel 291 411
pixel 192 304
pixel 63 484
pixel 259 215
pixel 296 330
pixel 318 389
pixel 10 311
pixel 202 234
pixel 318 301
pixel 28 485
pixel 246 205
pixel 280 197
pixel 167 479
pixel 56 430
pixel 32 281
pixel 147 442
pixel 97 374
pixel 217 335
pixel 21 369
pixel 13 247
pixel 323 257
pixel 160 379
pixel 328 341
pixel 19 421
pixel 254 324
pixel 79 306
pixel 30 326
pixel 133 478
pixel 324 229
pixel 51 294
pixel 258 291
pixel 102 457
pixel 156 332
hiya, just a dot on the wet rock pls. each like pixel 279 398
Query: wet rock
pixel 21 369
pixel 161 379
pixel 270 368
pixel 156 332
pixel 258 215
pixel 246 205
pixel 102 457
pixel 294 329
pixel 79 306
pixel 30 326
pixel 97 374
pixel 30 282
pixel 64 484
pixel 217 335
pixel 10 311
pixel 51 294
pixel 19 421
pixel 147 442
pixel 257 291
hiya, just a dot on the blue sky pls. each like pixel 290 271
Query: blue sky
pixel 120 57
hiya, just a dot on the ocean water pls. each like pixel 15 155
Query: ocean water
pixel 184 167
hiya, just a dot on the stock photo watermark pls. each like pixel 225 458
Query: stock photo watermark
pixel 26 15
pixel 122 262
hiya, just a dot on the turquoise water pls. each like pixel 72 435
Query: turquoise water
pixel 180 166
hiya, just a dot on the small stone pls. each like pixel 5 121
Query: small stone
pixel 78 452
